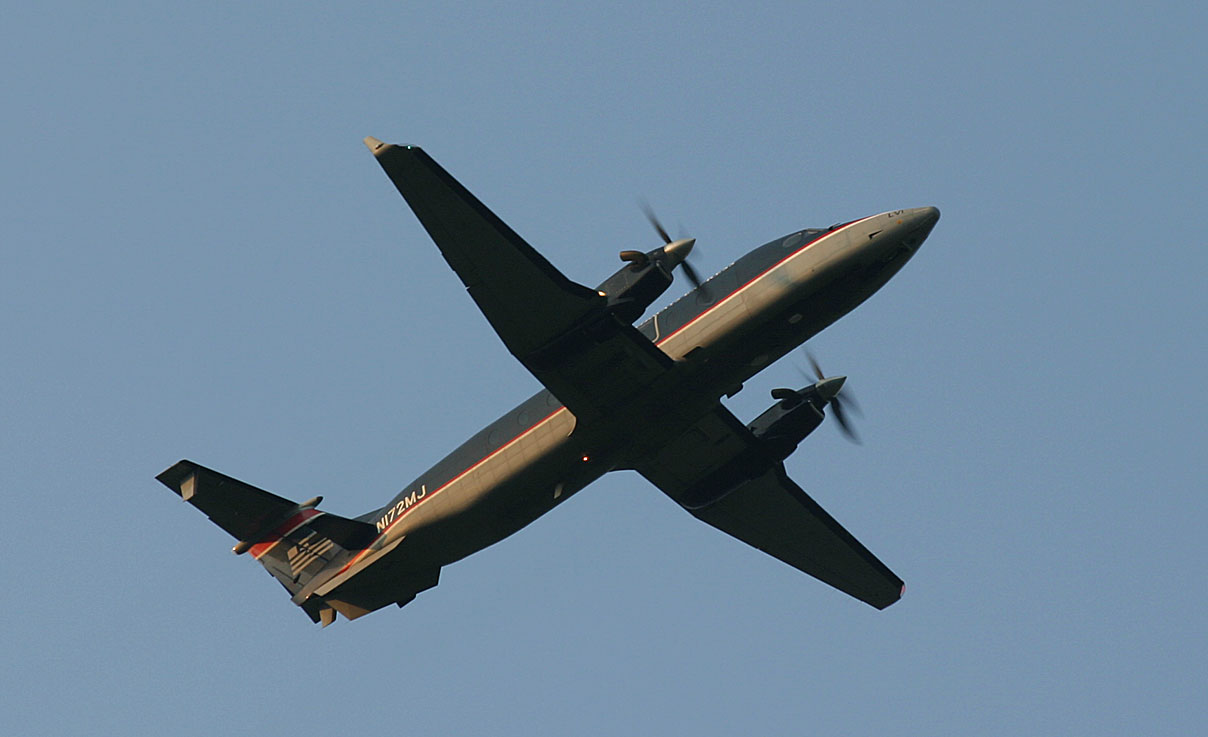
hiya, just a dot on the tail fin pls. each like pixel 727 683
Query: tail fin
pixel 295 542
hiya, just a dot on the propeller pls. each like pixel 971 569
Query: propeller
pixel 832 387
pixel 675 251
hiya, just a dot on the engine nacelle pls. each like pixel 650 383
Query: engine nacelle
pixel 635 286
pixel 785 424
pixel 779 430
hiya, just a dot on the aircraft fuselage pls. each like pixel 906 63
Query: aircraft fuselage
pixel 617 396
pixel 534 457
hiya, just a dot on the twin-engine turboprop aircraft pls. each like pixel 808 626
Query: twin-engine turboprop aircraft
pixel 616 396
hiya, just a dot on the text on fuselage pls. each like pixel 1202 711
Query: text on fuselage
pixel 401 506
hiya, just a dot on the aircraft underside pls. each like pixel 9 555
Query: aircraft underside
pixel 616 397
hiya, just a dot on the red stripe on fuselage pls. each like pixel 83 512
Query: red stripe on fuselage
pixel 445 485
pixel 685 326
pixel 756 278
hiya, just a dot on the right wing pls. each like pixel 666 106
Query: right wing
pixel 718 473
pixel 773 514
pixel 558 329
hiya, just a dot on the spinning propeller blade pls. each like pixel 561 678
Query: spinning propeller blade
pixel 654 220
pixel 676 250
pixel 836 404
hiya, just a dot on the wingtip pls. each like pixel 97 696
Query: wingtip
pixel 378 147
pixel 172 475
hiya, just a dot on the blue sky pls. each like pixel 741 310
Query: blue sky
pixel 201 260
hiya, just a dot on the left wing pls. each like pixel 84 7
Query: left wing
pixel 718 472
pixel 558 329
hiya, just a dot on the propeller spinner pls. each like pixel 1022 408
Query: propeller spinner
pixel 832 386
pixel 674 252
pixel 828 390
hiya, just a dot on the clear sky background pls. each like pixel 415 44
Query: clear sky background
pixel 201 260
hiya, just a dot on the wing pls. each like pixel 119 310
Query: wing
pixel 718 473
pixel 558 329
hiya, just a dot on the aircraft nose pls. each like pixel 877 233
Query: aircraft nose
pixel 917 224
pixel 925 217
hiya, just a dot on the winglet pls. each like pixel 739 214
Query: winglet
pixel 374 144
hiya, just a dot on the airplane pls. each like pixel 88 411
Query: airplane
pixel 616 396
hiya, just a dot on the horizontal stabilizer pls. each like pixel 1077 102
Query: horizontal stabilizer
pixel 299 545
pixel 257 517
pixel 241 509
